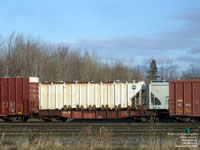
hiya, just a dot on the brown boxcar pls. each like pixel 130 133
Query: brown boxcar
pixel 19 96
pixel 184 98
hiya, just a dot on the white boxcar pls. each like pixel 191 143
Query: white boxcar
pixel 159 95
pixel 56 95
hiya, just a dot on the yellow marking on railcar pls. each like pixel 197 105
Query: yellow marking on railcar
pixel 21 109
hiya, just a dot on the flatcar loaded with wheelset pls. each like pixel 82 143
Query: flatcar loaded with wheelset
pixel 22 98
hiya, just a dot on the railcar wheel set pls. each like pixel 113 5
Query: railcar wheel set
pixel 22 98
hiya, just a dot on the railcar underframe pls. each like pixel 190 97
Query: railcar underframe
pixel 137 115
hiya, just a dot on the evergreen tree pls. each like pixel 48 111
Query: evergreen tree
pixel 152 73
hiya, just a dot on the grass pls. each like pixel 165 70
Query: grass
pixel 101 139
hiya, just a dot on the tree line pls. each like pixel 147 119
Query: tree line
pixel 22 55
pixel 168 71
pixel 28 56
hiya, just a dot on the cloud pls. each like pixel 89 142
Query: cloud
pixel 142 50
pixel 162 48
pixel 180 39
pixel 159 60
pixel 191 26
pixel 138 45
pixel 192 17
pixel 188 59
pixel 194 51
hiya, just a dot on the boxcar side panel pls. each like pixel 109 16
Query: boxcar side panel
pixel 172 106
pixel 4 96
pixel 32 99
pixel 179 98
pixel 188 98
pixel 185 98
pixel 196 98
pixel 18 89
pixel 18 96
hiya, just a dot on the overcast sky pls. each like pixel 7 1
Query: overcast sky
pixel 124 29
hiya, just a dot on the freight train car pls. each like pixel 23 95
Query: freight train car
pixel 18 98
pixel 185 100
pixel 22 98
pixel 89 100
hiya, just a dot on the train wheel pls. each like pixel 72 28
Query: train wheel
pixel 177 119
pixel 24 118
pixel 151 119
pixel 143 119
pixel 136 119
pixel 47 119
pixel 8 119
pixel 186 119
pixel 194 120
pixel 5 119
pixel 63 119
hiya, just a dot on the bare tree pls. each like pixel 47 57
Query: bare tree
pixel 193 72
pixel 168 71
pixel 27 56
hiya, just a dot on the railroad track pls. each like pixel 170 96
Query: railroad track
pixel 85 128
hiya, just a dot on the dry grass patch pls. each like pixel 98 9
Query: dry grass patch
pixel 90 139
